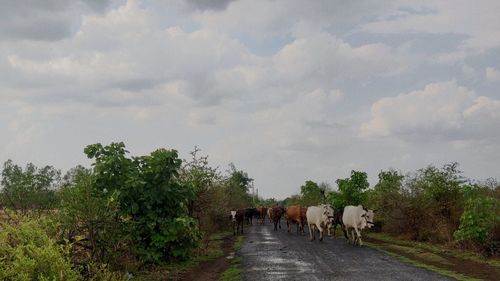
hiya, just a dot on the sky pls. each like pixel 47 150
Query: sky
pixel 287 90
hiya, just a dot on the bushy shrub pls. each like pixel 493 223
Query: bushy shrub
pixel 480 221
pixel 27 252
pixel 88 220
pixel 152 201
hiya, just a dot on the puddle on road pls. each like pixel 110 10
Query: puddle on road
pixel 279 262
pixel 268 242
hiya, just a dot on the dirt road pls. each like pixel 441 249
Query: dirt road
pixel 278 255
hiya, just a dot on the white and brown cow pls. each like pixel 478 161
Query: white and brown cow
pixel 237 218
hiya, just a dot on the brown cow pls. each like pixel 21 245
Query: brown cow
pixel 297 215
pixel 303 211
pixel 237 217
pixel 276 213
pixel 262 212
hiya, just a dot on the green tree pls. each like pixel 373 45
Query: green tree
pixel 352 189
pixel 386 192
pixel 312 194
pixel 292 200
pixel 29 188
pixel 203 178
pixel 153 202
pixel 237 183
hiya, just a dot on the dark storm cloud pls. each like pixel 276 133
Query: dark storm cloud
pixel 46 20
pixel 209 4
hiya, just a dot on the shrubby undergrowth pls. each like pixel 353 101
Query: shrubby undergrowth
pixel 28 251
pixel 431 204
pixel 115 219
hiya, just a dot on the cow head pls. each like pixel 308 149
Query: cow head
pixel 233 216
pixel 328 213
pixel 368 216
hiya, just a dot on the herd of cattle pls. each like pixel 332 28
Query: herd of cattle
pixel 352 219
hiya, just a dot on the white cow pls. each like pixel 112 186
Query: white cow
pixel 356 218
pixel 319 217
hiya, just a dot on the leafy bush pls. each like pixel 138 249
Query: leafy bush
pixel 88 220
pixel 152 200
pixel 28 253
pixel 479 220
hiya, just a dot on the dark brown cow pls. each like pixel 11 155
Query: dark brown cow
pixel 250 213
pixel 337 220
pixel 238 217
pixel 297 215
pixel 276 213
pixel 262 212
pixel 303 211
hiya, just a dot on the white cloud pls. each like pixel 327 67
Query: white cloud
pixel 492 74
pixel 278 87
pixel 441 109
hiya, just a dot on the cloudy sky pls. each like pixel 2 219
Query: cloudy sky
pixel 287 90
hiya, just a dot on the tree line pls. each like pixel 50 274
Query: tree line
pixel 121 215
pixel 126 213
pixel 431 204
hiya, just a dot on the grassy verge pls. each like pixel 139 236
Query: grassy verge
pixel 405 259
pixel 233 273
pixel 438 249
pixel 458 264
pixel 175 269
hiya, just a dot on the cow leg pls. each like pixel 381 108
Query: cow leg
pixel 279 222
pixel 360 243
pixel 354 236
pixel 311 233
pixel 320 233
pixel 344 229
pixel 234 233
pixel 288 225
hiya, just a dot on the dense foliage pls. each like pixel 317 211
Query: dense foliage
pixel 152 201
pixel 439 205
pixel 28 252
pixel 125 213
pixel 351 191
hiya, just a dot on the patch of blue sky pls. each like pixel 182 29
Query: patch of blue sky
pixel 265 46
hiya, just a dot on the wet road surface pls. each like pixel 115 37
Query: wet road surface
pixel 279 255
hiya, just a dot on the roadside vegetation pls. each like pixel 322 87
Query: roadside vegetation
pixel 433 217
pixel 125 218
pixel 156 216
